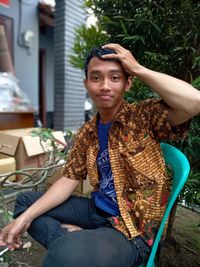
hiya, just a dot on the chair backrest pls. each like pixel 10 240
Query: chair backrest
pixel 181 168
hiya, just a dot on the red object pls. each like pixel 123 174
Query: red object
pixel 164 199
pixel 5 3
pixel 116 220
pixel 150 242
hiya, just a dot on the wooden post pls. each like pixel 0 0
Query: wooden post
pixel 6 64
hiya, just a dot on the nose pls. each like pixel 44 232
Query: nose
pixel 105 86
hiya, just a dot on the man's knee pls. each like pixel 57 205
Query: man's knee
pixel 81 248
pixel 64 252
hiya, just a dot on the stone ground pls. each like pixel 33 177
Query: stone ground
pixel 183 251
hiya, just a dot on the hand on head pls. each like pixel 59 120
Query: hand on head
pixel 126 58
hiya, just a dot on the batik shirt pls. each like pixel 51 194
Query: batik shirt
pixel 139 174
pixel 105 198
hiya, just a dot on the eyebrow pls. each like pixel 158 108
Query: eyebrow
pixel 110 71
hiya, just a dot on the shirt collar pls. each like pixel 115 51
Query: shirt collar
pixel 120 117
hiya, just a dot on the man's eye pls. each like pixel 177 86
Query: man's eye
pixel 95 78
pixel 115 78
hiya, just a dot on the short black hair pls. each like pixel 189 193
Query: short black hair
pixel 99 52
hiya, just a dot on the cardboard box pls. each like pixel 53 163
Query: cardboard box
pixel 7 164
pixel 57 174
pixel 25 148
pixel 84 187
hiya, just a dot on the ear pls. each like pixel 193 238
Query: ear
pixel 85 83
pixel 129 83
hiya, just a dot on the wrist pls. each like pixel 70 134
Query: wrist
pixel 139 71
pixel 27 216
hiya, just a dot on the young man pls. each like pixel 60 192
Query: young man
pixel 119 150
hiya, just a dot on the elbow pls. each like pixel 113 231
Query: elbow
pixel 194 108
pixel 197 105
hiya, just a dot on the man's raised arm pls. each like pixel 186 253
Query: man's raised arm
pixel 182 98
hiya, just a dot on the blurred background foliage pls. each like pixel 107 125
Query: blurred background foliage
pixel 163 35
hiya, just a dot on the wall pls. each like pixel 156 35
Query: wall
pixel 65 93
pixel 47 42
pixel 25 61
pixel 69 90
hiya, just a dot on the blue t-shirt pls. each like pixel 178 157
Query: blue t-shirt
pixel 105 198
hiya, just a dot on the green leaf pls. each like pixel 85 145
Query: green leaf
pixel 134 38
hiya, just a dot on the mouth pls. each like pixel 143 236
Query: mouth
pixel 105 97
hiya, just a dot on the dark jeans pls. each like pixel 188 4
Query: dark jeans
pixel 98 245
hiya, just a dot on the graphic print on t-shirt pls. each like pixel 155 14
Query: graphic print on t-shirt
pixel 106 178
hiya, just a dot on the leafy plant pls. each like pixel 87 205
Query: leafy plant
pixel 163 35
pixel 85 40
pixel 57 156
pixel 191 192
pixel 32 177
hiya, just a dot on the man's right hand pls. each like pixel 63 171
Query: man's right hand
pixel 10 235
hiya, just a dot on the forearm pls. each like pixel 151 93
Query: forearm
pixel 182 98
pixel 178 94
pixel 56 194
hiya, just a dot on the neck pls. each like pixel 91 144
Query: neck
pixel 108 115
pixel 105 119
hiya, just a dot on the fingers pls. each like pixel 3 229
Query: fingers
pixel 11 246
pixel 13 241
pixel 116 47
pixel 2 243
pixel 71 228
pixel 3 235
pixel 9 238
pixel 116 56
pixel 122 53
pixel 18 241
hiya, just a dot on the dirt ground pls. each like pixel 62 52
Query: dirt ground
pixel 183 251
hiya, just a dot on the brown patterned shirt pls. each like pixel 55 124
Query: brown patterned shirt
pixel 138 168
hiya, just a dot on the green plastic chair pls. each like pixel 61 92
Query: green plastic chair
pixel 181 168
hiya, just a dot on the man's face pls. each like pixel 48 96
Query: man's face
pixel 106 83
